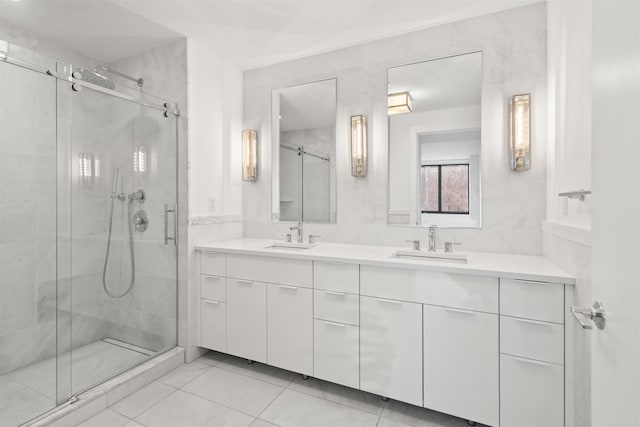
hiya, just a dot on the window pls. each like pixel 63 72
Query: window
pixel 444 189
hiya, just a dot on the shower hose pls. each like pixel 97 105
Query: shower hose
pixel 106 257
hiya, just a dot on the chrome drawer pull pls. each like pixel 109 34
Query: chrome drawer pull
pixel 340 294
pixel 533 322
pixel 458 310
pixel 208 301
pixel 533 282
pixel 245 282
pixel 531 362
pixel 331 262
pixel 389 301
pixel 211 277
pixel 340 325
pixel 291 288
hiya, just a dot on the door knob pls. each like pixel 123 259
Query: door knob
pixel 595 312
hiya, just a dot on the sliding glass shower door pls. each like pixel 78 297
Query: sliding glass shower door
pixel 120 193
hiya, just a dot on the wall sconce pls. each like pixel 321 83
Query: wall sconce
pixel 359 146
pixel 249 156
pixel 140 160
pixel 88 169
pixel 399 103
pixel 520 143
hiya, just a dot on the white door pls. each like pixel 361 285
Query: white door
pixel 615 357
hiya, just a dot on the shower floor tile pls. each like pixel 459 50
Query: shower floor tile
pixel 30 391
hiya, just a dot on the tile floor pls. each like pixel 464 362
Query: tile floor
pixel 31 391
pixel 221 390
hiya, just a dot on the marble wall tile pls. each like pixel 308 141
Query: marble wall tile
pixel 575 258
pixel 513 43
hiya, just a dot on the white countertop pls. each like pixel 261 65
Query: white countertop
pixel 524 267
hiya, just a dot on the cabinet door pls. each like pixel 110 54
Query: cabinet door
pixel 290 328
pixel 336 353
pixel 391 349
pixel 213 325
pixel 461 363
pixel 247 319
pixel 531 393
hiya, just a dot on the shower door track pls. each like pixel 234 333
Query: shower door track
pixel 76 84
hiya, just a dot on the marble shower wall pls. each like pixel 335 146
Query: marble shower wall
pixel 513 43
pixel 28 220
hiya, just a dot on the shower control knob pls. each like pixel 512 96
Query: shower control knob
pixel 141 221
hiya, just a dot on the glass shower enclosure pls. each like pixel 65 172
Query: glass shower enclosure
pixel 88 255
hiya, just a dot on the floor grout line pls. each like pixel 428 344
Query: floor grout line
pixel 218 403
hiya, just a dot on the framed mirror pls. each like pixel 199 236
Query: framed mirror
pixel 435 142
pixel 304 145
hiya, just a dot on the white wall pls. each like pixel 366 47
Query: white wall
pixel 215 131
pixel 513 43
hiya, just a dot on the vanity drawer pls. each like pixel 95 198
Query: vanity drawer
pixel 336 307
pixel 531 393
pixel 336 353
pixel 532 300
pixel 532 339
pixel 336 276
pixel 212 263
pixel 213 325
pixel 213 288
pixel 270 269
pixel 430 287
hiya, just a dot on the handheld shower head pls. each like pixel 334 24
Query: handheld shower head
pixel 114 188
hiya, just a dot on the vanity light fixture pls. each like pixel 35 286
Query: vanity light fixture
pixel 249 155
pixel 140 160
pixel 359 146
pixel 399 103
pixel 520 144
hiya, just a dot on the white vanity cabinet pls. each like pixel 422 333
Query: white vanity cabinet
pixel 336 322
pixel 461 363
pixel 213 313
pixel 391 348
pixel 290 328
pixel 247 319
pixel 479 347
pixel 212 325
pixel 532 370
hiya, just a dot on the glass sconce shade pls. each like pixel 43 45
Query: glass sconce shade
pixel 249 156
pixel 140 160
pixel 520 144
pixel 359 146
pixel 399 103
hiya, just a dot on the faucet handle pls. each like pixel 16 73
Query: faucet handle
pixel 313 237
pixel 448 246
pixel 416 244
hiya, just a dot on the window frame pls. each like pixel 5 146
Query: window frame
pixel 439 166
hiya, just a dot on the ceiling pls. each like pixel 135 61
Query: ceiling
pixel 98 29
pixel 440 84
pixel 247 33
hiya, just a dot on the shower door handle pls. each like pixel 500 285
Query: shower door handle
pixel 167 211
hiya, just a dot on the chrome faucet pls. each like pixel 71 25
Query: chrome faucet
pixel 432 238
pixel 298 228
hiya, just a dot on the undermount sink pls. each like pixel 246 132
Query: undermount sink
pixel 290 245
pixel 431 256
